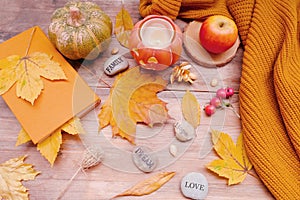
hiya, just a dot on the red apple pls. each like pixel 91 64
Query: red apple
pixel 218 33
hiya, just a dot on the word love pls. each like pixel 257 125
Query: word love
pixel 115 64
pixel 194 185
pixel 143 159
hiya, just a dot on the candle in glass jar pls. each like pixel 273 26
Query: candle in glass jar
pixel 157 33
pixel 155 42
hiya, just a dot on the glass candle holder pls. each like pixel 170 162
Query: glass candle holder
pixel 156 42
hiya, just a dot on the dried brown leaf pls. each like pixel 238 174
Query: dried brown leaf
pixel 149 185
pixel 12 172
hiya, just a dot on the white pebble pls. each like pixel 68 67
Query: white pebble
pixel 114 51
pixel 194 185
pixel 115 64
pixel 214 82
pixel 173 150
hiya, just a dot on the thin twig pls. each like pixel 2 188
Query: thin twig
pixel 233 110
pixel 92 157
pixel 101 80
pixel 68 184
pixel 29 43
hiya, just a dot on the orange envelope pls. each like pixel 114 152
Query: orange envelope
pixel 59 101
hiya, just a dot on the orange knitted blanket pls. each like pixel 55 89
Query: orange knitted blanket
pixel 270 81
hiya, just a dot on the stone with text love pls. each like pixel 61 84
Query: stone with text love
pixel 194 185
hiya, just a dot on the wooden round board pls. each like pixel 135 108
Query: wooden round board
pixel 195 50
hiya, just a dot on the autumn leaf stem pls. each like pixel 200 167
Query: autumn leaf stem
pixel 253 175
pixel 234 111
pixel 29 43
pixel 105 83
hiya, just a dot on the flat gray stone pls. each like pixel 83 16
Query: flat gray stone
pixel 194 185
pixel 184 131
pixel 115 64
pixel 143 159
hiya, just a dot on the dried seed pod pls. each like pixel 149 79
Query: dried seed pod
pixel 92 157
pixel 182 72
pixel 193 76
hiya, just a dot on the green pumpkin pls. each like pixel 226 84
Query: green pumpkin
pixel 80 30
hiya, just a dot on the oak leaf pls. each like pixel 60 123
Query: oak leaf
pixel 234 163
pixel 49 147
pixel 133 99
pixel 123 26
pixel 149 185
pixel 191 109
pixel 12 172
pixel 26 72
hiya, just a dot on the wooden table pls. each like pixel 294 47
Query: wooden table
pixel 114 176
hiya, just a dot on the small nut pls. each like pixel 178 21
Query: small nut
pixel 114 51
pixel 173 150
pixel 214 82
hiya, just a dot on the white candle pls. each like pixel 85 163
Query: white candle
pixel 157 33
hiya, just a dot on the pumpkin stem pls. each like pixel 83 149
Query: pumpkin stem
pixel 76 18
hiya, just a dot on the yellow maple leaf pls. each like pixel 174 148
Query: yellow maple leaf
pixel 123 26
pixel 132 100
pixel 26 72
pixel 234 163
pixel 191 109
pixel 12 172
pixel 49 147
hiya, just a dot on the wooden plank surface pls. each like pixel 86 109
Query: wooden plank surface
pixel 116 174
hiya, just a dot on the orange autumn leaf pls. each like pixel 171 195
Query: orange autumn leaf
pixel 146 107
pixel 234 163
pixel 123 26
pixel 133 99
pixel 149 185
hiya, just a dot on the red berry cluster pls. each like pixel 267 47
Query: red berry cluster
pixel 217 101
